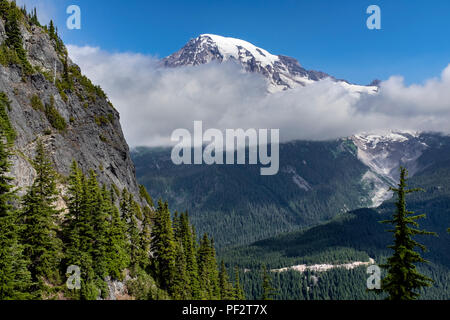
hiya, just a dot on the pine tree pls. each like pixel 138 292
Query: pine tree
pixel 14 36
pixel 163 247
pixel 204 270
pixel 214 272
pixel 268 290
pixel 101 228
pixel 145 240
pixel 180 280
pixel 4 9
pixel 72 225
pixel 226 289
pixel 51 30
pixel 130 210
pixel 34 18
pixel 15 280
pixel 238 291
pixel 187 237
pixel 144 194
pixel 403 280
pixel 40 218
pixel 118 255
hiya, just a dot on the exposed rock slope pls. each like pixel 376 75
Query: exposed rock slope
pixel 92 134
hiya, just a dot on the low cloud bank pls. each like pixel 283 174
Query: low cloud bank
pixel 153 101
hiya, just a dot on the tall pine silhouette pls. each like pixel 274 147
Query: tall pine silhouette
pixel 15 280
pixel 403 280
pixel 40 218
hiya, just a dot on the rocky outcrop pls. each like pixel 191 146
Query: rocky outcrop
pixel 93 135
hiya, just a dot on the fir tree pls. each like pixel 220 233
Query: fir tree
pixel 51 30
pixel 4 9
pixel 204 269
pixel 163 247
pixel 268 290
pixel 403 280
pixel 238 291
pixel 14 36
pixel 180 291
pixel 187 237
pixel 144 194
pixel 40 218
pixel 145 241
pixel 118 256
pixel 15 280
pixel 226 289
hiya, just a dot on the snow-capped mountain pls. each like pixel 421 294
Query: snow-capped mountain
pixel 282 72
pixel 384 153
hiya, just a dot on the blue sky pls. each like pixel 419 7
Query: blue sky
pixel 325 35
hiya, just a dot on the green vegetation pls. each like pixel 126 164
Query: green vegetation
pixel 53 116
pixel 14 51
pixel 7 129
pixel 40 217
pixel 37 104
pixel 15 279
pixel 101 120
pixel 236 205
pixel 105 240
pixel 144 195
pixel 403 280
pixel 268 290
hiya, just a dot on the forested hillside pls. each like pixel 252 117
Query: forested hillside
pixel 74 224
pixel 356 236
pixel 317 180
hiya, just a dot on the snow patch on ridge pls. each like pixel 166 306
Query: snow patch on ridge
pixel 231 47
pixel 325 267
pixel 384 153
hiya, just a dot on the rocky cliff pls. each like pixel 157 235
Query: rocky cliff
pixel 54 102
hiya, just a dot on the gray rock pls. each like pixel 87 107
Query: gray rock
pixel 94 144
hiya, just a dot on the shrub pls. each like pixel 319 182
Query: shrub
pixel 37 104
pixel 53 116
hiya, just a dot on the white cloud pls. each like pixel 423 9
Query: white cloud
pixel 154 101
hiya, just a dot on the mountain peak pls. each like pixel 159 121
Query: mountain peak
pixel 282 72
pixel 232 48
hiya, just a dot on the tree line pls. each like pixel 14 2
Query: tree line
pixel 104 232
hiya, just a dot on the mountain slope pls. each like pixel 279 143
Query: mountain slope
pixel 73 118
pixel 317 181
pixel 359 236
pixel 282 72
pixel 235 204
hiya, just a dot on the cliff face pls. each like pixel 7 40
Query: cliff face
pixel 91 133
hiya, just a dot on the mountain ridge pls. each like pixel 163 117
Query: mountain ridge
pixel 282 72
pixel 50 100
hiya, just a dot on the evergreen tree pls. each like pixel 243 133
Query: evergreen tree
pixel 15 280
pixel 118 256
pixel 238 291
pixel 130 210
pixel 181 291
pixel 40 218
pixel 204 269
pixel 145 241
pixel 51 30
pixel 14 36
pixel 403 280
pixel 144 194
pixel 214 272
pixel 268 290
pixel 188 241
pixel 163 247
pixel 226 289
pixel 4 9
